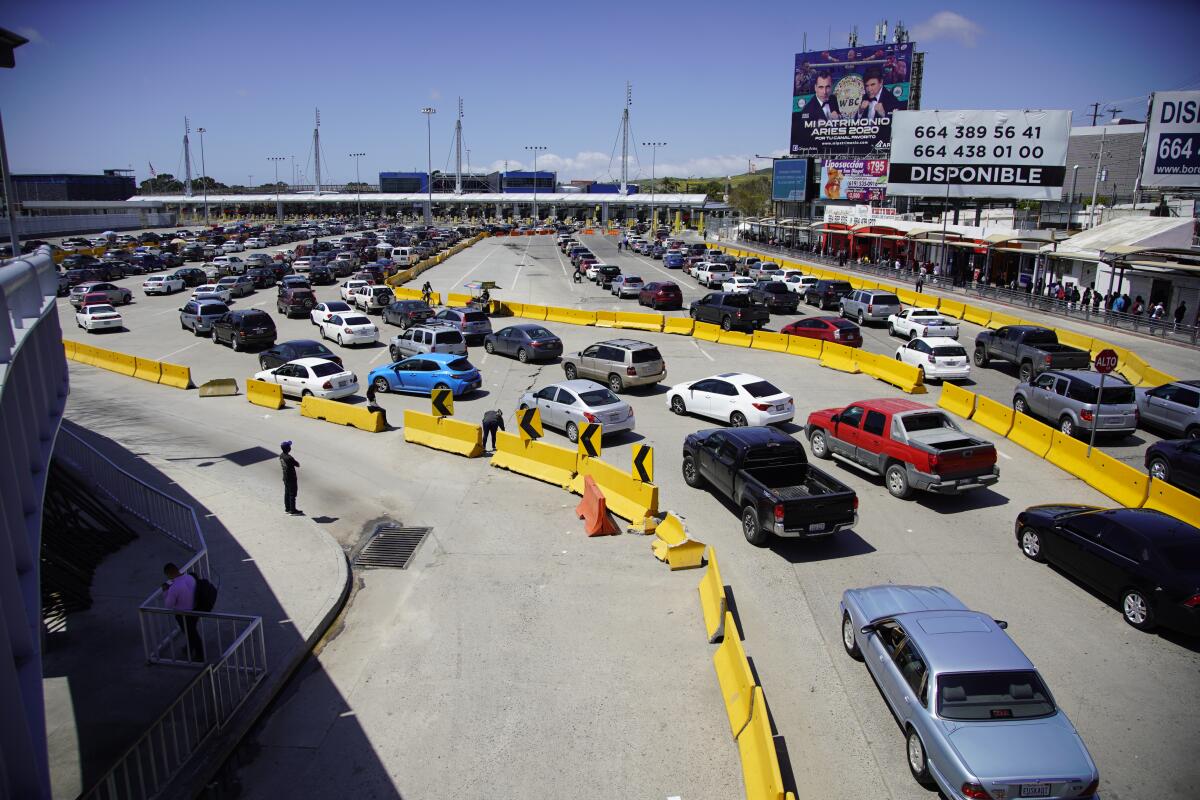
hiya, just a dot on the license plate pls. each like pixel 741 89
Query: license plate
pixel 1113 421
pixel 1035 790
pixel 820 526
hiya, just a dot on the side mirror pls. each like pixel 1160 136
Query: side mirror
pixel 1001 624
pixel 836 418
pixel 867 630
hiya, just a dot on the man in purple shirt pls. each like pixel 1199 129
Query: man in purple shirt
pixel 179 594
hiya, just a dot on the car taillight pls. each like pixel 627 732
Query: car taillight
pixel 631 371
pixel 1091 789
pixel 761 406
pixel 856 502
pixel 870 308
pixel 1086 416
pixel 975 791
pixel 837 334
pixel 779 512
pixel 458 377
pixel 1046 359
pixel 1193 601
pixel 327 385
pixel 589 416
pixel 934 460
pixel 347 330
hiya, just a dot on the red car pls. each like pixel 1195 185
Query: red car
pixel 661 294
pixel 829 329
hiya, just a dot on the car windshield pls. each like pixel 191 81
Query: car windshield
pixel 928 421
pixel 886 300
pixel 100 310
pixel 950 351
pixel 257 318
pixel 357 321
pixel 475 316
pixel 1113 395
pixel 325 368
pixel 842 324
pixel 460 365
pixel 993 695
pixel 925 313
pixel 761 389
pixel 737 300
pixel 539 333
pixel 646 355
pixel 337 306
pixel 1182 556
pixel 598 397
pixel 313 349
pixel 448 337
pixel 213 310
pixel 840 286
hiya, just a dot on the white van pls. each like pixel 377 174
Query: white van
pixel 405 256
pixel 383 250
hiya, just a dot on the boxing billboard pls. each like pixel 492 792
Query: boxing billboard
pixel 842 100
pixel 1015 154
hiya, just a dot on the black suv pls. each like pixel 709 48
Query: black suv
pixel 246 328
pixel 827 294
pixel 191 276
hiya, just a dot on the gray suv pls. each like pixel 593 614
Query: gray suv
pixel 1173 407
pixel 619 363
pixel 870 305
pixel 1070 399
pixel 427 339
pixel 198 316
pixel 471 322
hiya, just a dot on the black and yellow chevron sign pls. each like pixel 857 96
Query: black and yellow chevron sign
pixel 443 402
pixel 643 463
pixel 529 421
pixel 589 439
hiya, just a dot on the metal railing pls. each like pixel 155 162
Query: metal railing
pixel 1137 323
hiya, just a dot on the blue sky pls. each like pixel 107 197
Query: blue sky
pixel 108 84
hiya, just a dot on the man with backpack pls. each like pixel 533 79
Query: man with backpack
pixel 181 593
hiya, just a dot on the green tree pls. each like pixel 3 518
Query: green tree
pixel 358 186
pixel 198 184
pixel 165 183
pixel 752 196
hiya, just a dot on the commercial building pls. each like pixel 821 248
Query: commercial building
pixel 112 185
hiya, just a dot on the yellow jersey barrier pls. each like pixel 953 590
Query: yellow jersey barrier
pixel 734 677
pixel 769 340
pixel 681 326
pixel 148 370
pixel 626 496
pixel 951 308
pixel 1034 436
pixel 957 400
pixel 805 347
pixel 69 349
pixel 996 417
pixel 261 393
pixel 533 311
pixel 839 357
pixel 175 375
pixel 545 462
pixel 1073 339
pixel 443 433
pixel 977 315
pixel 571 316
pixel 1156 377
pixel 458 300
pixel 606 319
pixel 86 354
pixel 735 338
pixel 673 545
pixel 342 414
pixel 907 297
pixel 639 321
pixel 1117 479
pixel 112 361
pixel 713 602
pixel 889 370
pixel 1000 319
pixel 1166 498
pixel 760 762
pixel 706 331
pixel 1068 454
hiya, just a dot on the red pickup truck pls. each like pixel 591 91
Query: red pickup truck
pixel 913 446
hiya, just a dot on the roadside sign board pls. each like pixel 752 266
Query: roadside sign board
pixel 1105 362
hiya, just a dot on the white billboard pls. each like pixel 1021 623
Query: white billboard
pixel 1172 149
pixel 1003 154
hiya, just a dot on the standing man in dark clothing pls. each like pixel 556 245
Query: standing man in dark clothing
pixel 290 481
pixel 1180 313
pixel 492 420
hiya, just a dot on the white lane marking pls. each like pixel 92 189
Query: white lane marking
pixel 259 303
pixel 706 355
pixel 563 265
pixel 384 351
pixel 177 352
pixel 166 311
pixel 1004 455
pixel 467 274
pixel 483 360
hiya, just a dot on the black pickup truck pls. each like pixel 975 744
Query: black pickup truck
pixel 1032 348
pixel 766 474
pixel 730 311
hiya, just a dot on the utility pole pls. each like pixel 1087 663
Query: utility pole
pixel 1114 111
pixel 1095 113
pixel 358 182
pixel 535 148
pixel 625 138
pixel 458 149
pixel 203 174
pixel 187 159
pixel 278 205
pixel 1096 180
pixel 317 152
pixel 429 111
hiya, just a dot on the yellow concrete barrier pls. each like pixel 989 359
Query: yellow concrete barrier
pixel 734 677
pixel 996 417
pixel 1156 377
pixel 839 357
pixel 1068 454
pixel 571 316
pixel 546 462
pixel 673 545
pixel 606 319
pixel 148 370
pixel 977 315
pixel 458 300
pixel 1179 504
pixel 805 347
pixel 626 497
pixel 69 348
pixel 1073 339
pixel 511 309
pixel 1118 480
pixel 342 414
pixel 1034 436
pixel 533 311
pixel 957 400
pixel 443 433
pixel 951 308
pixel 907 297
pixel 925 300
pixel 889 370
pixel 734 338
pixel 261 393
pixel 706 331
pixel 1000 319
pixel 120 363
pixel 639 321
pixel 678 325
pixel 713 602
pixel 175 375
pixel 769 340
pixel 760 762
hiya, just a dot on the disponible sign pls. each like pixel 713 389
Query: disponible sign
pixel 861 180
pixel 1172 156
pixel 1005 154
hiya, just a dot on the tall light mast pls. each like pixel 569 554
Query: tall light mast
pixel 458 186
pixel 625 138
pixel 317 152
pixel 187 159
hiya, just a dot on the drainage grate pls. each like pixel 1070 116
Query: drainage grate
pixel 391 547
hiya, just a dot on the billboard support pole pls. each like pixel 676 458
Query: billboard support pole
pixel 945 213
pixel 1137 181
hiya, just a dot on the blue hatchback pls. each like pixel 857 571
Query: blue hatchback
pixel 421 373
pixel 673 261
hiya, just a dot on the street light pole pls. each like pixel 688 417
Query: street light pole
pixel 535 148
pixel 278 205
pixel 203 174
pixel 358 182
pixel 429 111
pixel 1071 199
pixel 653 183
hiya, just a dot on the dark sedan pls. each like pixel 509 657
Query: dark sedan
pixel 661 294
pixel 526 342
pixel 776 296
pixel 284 352
pixel 407 313
pixel 1176 461
pixel 322 276
pixel 191 276
pixel 1146 560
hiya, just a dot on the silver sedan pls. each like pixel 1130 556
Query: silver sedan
pixel 568 404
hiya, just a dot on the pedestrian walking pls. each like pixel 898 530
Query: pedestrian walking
pixel 291 483
pixel 179 594
pixel 920 280
pixel 492 421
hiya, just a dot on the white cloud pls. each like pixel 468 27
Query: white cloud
pixel 32 34
pixel 591 165
pixel 947 25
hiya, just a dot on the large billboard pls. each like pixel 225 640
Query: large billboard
pixel 1172 149
pixel 842 100
pixel 1012 154
pixel 858 179
pixel 789 180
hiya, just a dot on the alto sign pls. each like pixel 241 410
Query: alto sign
pixel 1105 362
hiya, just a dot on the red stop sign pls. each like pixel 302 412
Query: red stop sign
pixel 1106 361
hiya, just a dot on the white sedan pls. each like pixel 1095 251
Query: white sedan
pixel 937 358
pixel 799 283
pixel 921 323
pixel 734 397
pixel 350 328
pixel 211 291
pixel 162 284
pixel 98 317
pixel 349 286
pixel 738 284
pixel 323 311
pixel 317 377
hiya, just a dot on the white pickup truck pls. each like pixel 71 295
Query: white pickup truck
pixel 712 275
pixel 921 323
